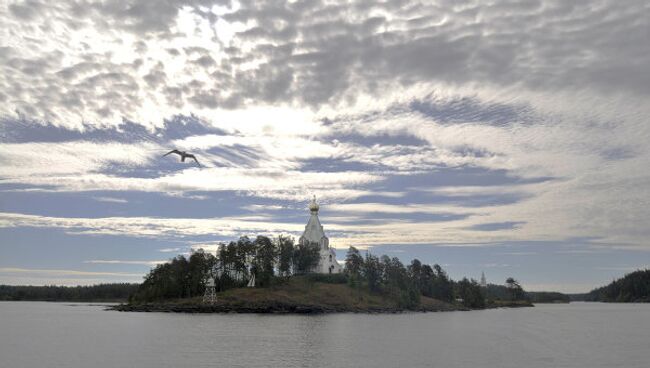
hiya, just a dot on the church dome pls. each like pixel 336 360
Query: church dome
pixel 313 206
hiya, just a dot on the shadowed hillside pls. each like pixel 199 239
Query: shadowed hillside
pixel 300 294
pixel 632 288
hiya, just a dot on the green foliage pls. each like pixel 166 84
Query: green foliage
pixel 432 282
pixel 547 297
pixel 179 278
pixel 285 255
pixel 515 291
pixel 397 283
pixel 353 262
pixel 232 261
pixel 305 258
pixel 101 292
pixel 184 277
pixel 632 288
pixel 372 272
pixel 470 292
pixel 264 261
pixel 507 292
pixel 403 284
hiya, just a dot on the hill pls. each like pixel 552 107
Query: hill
pixel 298 294
pixel 632 288
pixel 284 283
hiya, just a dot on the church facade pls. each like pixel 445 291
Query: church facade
pixel 315 235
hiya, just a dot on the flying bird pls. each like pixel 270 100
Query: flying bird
pixel 183 155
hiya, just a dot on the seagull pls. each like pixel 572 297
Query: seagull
pixel 183 155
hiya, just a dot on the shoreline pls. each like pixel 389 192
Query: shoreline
pixel 276 308
pixel 285 308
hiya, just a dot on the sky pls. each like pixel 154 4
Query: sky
pixel 505 137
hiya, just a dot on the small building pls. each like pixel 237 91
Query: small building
pixel 314 234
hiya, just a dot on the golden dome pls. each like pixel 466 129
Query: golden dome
pixel 313 206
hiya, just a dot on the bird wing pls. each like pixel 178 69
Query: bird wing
pixel 194 158
pixel 173 151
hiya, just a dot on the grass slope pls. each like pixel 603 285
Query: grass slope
pixel 296 295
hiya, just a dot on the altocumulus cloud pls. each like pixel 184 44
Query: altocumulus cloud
pixel 103 61
pixel 441 122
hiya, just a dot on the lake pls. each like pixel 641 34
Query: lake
pixel 39 334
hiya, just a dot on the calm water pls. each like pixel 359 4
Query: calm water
pixel 34 334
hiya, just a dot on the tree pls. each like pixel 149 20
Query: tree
pixel 305 258
pixel 633 287
pixel 427 281
pixel 245 252
pixel 353 267
pixel 229 263
pixel 179 278
pixel 264 261
pixel 199 266
pixel 285 255
pixel 515 289
pixel 416 275
pixel 372 272
pixel 397 283
pixel 353 262
pixel 470 292
pixel 443 286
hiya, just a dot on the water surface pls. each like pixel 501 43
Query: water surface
pixel 38 334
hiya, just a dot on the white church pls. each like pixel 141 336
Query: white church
pixel 314 234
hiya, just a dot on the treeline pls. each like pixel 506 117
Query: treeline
pixel 273 260
pixel 235 264
pixel 405 284
pixel 632 288
pixel 547 297
pixel 96 293
pixel 511 291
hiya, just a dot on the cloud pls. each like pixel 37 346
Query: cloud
pixel 496 226
pixel 58 273
pixel 101 61
pixel 111 200
pixel 124 262
pixel 90 166
pixel 149 227
pixel 391 230
pixel 377 108
pixel 71 158
pixel 170 250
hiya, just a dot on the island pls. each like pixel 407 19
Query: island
pixel 278 275
pixel 308 294
pixel 286 283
